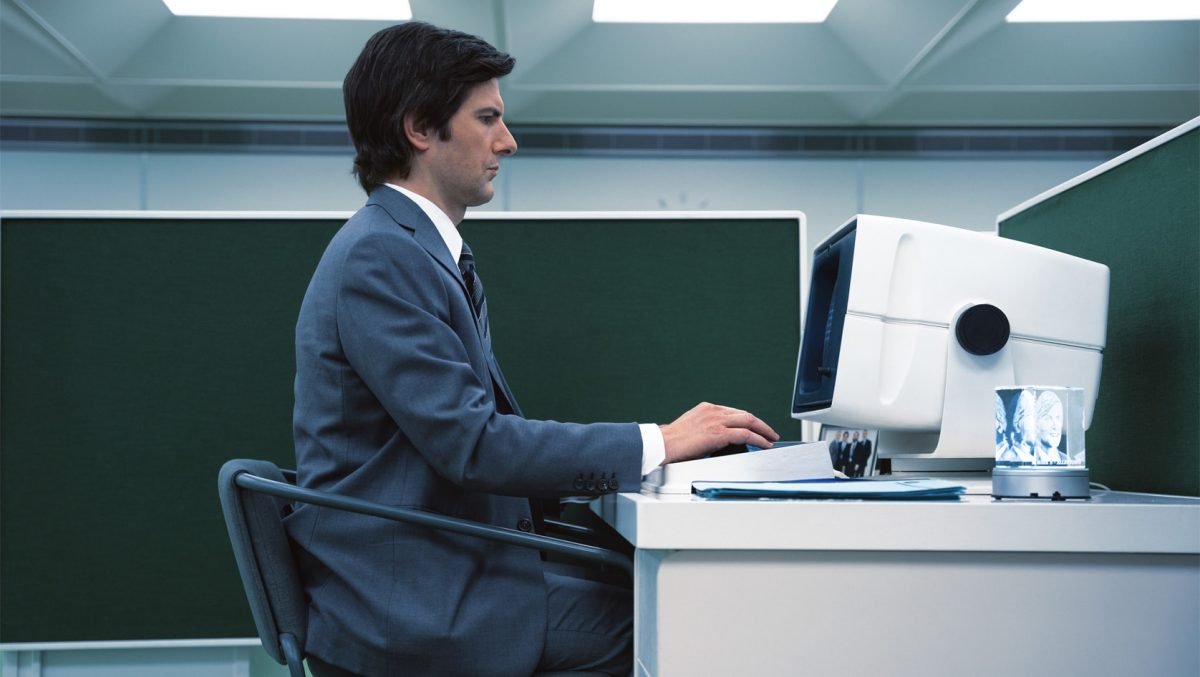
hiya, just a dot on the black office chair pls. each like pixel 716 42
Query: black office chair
pixel 255 496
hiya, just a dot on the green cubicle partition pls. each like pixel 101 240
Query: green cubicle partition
pixel 1139 215
pixel 138 353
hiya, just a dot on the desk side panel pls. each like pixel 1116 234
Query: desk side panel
pixel 901 614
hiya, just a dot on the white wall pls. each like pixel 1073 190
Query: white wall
pixel 826 190
pixel 245 181
pixel 70 180
pixel 967 193
pixel 176 181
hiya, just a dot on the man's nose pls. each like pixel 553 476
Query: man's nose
pixel 506 144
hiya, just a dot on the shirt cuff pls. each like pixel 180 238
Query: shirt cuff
pixel 654 449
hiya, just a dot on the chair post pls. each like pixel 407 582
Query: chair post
pixel 292 653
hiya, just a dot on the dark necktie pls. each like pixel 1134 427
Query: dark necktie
pixel 466 265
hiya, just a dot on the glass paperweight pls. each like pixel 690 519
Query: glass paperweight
pixel 1039 426
pixel 1040 450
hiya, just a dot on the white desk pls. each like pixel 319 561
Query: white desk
pixel 1109 586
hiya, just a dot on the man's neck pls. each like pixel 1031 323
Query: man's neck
pixel 445 228
pixel 425 190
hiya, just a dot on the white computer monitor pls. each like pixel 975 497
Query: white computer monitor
pixel 910 327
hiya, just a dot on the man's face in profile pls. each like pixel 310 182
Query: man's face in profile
pixel 464 165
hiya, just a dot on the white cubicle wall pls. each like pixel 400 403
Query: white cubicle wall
pixel 959 192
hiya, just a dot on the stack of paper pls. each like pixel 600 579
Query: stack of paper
pixel 832 488
pixel 785 461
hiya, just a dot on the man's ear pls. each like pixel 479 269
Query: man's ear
pixel 419 136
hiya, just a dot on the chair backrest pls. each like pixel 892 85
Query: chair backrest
pixel 268 567
pixel 264 557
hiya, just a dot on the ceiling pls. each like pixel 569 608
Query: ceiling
pixel 873 63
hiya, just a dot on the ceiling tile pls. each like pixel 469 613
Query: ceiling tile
pixel 670 108
pixel 57 99
pixel 891 37
pixel 1165 108
pixel 249 103
pixel 537 29
pixel 928 63
pixel 747 55
pixel 252 50
pixel 22 54
pixel 1149 53
pixel 102 34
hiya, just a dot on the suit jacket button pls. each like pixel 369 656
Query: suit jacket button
pixel 524 524
pixel 612 484
pixel 578 482
pixel 603 484
pixel 590 485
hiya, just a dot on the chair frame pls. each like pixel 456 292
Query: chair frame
pixel 290 647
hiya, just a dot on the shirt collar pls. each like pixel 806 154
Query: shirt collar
pixel 445 227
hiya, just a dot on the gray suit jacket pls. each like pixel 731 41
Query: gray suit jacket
pixel 397 401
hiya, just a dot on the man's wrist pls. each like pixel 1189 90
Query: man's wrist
pixel 654 447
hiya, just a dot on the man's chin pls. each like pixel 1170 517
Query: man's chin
pixel 484 197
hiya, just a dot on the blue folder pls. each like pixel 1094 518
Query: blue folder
pixel 833 488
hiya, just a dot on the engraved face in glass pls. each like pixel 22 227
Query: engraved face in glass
pixel 1049 420
pixel 1025 418
pixel 1001 421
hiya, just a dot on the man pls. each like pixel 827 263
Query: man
pixel 845 454
pixel 862 455
pixel 835 452
pixel 400 400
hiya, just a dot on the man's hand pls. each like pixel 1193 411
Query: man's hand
pixel 709 427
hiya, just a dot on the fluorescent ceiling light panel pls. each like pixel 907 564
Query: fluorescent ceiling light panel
pixel 711 11
pixel 1105 10
pixel 361 10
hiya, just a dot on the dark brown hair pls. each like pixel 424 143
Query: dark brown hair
pixel 410 69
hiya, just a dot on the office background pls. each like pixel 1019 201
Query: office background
pixel 937 110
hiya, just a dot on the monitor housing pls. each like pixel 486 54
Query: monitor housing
pixel 910 327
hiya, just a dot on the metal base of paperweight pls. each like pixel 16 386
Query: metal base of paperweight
pixel 1056 484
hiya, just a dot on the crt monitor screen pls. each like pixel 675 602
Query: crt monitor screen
pixel 821 343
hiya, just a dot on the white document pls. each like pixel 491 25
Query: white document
pixel 794 462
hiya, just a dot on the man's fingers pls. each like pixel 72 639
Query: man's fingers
pixel 765 430
pixel 757 440
pixel 744 419
pixel 708 427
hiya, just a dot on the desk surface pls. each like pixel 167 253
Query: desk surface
pixel 1113 522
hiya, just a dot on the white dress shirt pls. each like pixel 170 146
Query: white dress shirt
pixel 654 450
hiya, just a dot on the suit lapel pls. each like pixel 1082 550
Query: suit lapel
pixel 408 215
